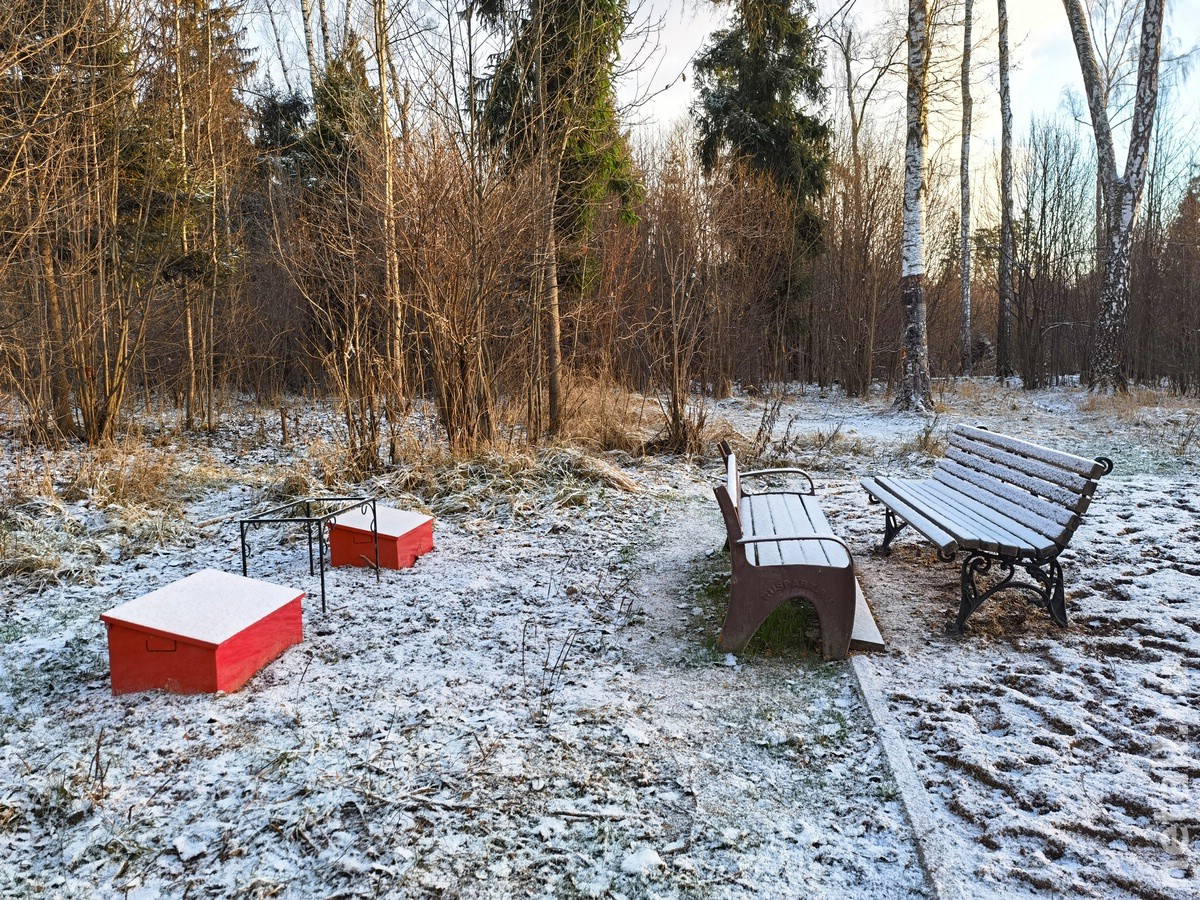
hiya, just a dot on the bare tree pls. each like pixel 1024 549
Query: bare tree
pixel 964 247
pixel 1122 191
pixel 391 281
pixel 855 210
pixel 1005 275
pixel 914 392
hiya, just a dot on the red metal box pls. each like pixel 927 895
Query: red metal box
pixel 403 536
pixel 208 632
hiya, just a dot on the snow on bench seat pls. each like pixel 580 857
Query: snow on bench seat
pixel 772 514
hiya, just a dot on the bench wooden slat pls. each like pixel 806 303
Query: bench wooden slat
pixel 963 444
pixel 1052 530
pixel 880 489
pixel 975 530
pixel 756 520
pixel 1003 474
pixel 965 534
pixel 789 517
pixel 1088 468
pixel 783 513
pixel 800 519
pixel 981 481
pixel 808 516
pixel 1019 536
pixel 733 481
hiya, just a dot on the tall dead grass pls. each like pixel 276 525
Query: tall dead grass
pixel 135 493
pixel 499 482
pixel 601 416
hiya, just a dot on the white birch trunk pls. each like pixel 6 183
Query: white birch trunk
pixel 323 19
pixel 964 249
pixel 1122 193
pixel 309 47
pixel 914 393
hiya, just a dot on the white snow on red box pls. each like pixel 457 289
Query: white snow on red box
pixel 390 522
pixel 208 607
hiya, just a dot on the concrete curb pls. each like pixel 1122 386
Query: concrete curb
pixel 936 846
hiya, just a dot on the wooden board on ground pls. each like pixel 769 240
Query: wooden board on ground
pixel 865 635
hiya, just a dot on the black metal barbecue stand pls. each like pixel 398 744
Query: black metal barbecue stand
pixel 287 515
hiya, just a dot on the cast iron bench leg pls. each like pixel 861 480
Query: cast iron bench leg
pixel 1046 585
pixel 892 526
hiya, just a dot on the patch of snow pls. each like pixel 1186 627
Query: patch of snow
pixel 643 861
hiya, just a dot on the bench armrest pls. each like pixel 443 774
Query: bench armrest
pixel 828 538
pixel 811 487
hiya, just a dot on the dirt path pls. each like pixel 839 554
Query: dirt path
pixel 788 792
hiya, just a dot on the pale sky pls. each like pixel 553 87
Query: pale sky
pixel 1043 57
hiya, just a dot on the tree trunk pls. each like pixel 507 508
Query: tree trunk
pixel 554 346
pixel 309 47
pixel 323 21
pixel 914 393
pixel 392 305
pixel 1122 193
pixel 964 249
pixel 550 177
pixel 1004 366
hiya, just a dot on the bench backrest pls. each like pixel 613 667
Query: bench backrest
pixel 729 496
pixel 1044 489
pixel 733 481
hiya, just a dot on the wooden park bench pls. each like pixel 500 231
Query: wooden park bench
pixel 781 548
pixel 1004 501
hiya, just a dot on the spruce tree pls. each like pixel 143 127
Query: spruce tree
pixel 758 82
pixel 549 102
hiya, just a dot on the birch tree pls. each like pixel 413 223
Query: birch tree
pixel 914 392
pixel 1121 191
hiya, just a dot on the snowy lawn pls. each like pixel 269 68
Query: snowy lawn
pixel 1061 762
pixel 535 708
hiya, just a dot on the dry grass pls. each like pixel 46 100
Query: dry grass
pixel 134 474
pixel 931 440
pixel 139 491
pixel 813 449
pixel 520 482
pixel 40 539
pixel 967 394
pixel 601 416
pixel 720 429
pixel 1137 405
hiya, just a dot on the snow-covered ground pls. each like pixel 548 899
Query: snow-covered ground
pixel 535 708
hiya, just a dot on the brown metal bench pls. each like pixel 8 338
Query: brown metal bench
pixel 781 547
pixel 1004 501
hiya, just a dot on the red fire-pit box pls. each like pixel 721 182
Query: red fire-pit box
pixel 208 632
pixel 403 536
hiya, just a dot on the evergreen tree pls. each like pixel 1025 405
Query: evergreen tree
pixel 345 107
pixel 756 81
pixel 549 102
